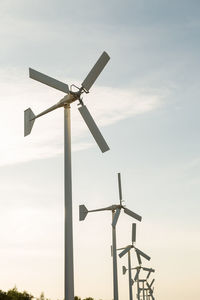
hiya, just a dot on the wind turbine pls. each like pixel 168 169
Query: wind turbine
pixel 116 209
pixel 139 254
pixel 149 270
pixel 138 270
pixel 29 119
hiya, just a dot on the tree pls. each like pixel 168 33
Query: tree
pixel 13 294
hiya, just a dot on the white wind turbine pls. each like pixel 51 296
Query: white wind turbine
pixel 29 119
pixel 136 279
pixel 116 209
pixel 139 254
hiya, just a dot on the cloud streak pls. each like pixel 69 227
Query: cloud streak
pixel 107 105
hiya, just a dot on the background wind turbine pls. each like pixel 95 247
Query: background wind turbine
pixel 116 209
pixel 139 254
pixel 138 270
pixel 29 119
pixel 136 278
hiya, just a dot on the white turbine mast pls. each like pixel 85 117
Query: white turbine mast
pixel 116 209
pixel 29 119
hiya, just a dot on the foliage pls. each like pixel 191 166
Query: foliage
pixel 78 298
pixel 13 294
pixel 42 297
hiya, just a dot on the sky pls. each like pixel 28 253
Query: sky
pixel 146 103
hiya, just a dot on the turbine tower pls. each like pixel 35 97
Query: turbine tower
pixel 29 119
pixel 116 209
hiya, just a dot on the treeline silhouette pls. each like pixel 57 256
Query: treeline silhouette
pixel 14 294
pixel 78 298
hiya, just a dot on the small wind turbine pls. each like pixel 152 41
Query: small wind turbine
pixel 116 209
pixel 138 269
pixel 139 253
pixel 29 119
pixel 136 278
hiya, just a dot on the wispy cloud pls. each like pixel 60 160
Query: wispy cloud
pixel 107 105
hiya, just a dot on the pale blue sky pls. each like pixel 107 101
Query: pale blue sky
pixel 146 102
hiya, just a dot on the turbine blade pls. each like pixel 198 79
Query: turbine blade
pixel 150 289
pixel 54 83
pixel 148 285
pixel 148 275
pixel 93 128
pixel 132 214
pixel 29 119
pixel 120 188
pixel 95 71
pixel 82 212
pixel 137 275
pixel 124 269
pixel 125 251
pixel 116 217
pixel 133 232
pixel 143 254
pixel 138 258
pixel 147 269
pixel 152 282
